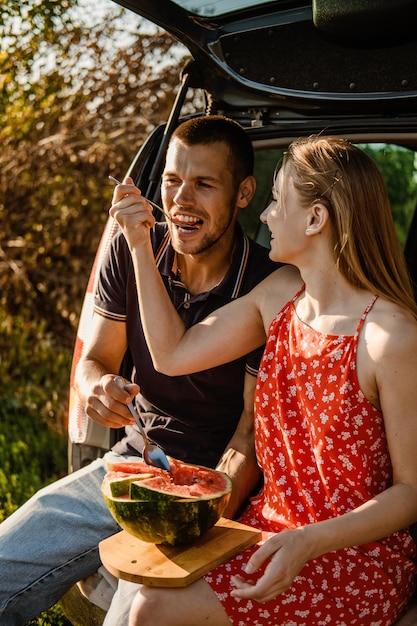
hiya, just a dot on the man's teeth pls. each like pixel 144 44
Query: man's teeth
pixel 187 219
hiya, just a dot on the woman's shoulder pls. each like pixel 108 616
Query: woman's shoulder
pixel 273 293
pixel 391 327
pixel 284 282
pixel 389 314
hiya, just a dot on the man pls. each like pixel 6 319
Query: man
pixel 204 261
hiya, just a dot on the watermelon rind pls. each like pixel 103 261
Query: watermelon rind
pixel 164 518
pixel 121 486
pixel 173 523
pixel 147 491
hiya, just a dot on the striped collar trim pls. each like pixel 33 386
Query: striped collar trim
pixel 238 266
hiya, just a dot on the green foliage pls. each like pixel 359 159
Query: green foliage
pixel 34 376
pixel 75 108
pixel 33 443
pixel 53 617
pixel 398 168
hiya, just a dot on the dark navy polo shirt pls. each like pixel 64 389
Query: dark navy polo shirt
pixel 192 417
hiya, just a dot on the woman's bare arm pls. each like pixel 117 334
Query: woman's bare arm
pixel 230 332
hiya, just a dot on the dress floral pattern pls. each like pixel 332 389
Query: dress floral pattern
pixel 323 451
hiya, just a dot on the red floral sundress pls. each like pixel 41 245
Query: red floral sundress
pixel 323 451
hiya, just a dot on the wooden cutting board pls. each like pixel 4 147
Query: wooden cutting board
pixel 138 561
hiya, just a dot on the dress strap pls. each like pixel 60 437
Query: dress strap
pixel 300 291
pixel 365 313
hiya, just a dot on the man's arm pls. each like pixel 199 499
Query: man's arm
pixel 239 459
pixel 104 401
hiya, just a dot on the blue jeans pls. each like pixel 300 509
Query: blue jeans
pixel 51 542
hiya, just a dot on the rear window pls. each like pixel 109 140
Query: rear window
pixel 398 166
pixel 210 8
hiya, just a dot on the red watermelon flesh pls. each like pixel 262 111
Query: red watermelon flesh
pixel 132 467
pixel 183 480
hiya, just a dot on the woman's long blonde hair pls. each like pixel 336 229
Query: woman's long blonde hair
pixel 366 247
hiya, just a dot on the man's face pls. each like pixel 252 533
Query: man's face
pixel 198 191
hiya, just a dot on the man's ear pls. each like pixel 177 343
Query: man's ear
pixel 318 217
pixel 245 192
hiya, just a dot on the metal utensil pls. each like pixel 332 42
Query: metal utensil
pixel 155 206
pixel 153 454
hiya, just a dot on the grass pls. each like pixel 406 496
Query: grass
pixel 33 441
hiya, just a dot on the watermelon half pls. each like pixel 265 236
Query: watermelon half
pixel 172 508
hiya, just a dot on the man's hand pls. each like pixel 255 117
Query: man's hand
pixel 106 402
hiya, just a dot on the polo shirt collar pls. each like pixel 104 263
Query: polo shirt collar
pixel 231 284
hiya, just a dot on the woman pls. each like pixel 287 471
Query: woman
pixel 336 402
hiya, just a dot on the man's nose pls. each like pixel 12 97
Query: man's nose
pixel 184 195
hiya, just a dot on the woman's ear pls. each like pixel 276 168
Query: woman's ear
pixel 245 192
pixel 317 218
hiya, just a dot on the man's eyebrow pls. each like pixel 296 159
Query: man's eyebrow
pixel 207 178
pixel 196 178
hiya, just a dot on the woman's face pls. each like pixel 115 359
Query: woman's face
pixel 286 218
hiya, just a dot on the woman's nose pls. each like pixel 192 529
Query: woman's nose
pixel 264 215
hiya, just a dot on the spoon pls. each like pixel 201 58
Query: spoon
pixel 153 454
pixel 155 206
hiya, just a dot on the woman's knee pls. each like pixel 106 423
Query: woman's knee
pixel 184 606
pixel 146 607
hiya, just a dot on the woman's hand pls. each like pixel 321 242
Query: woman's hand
pixel 288 552
pixel 132 212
